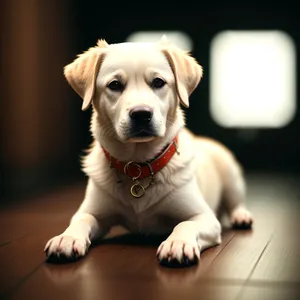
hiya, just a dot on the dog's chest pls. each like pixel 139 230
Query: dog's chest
pixel 146 222
pixel 144 214
pixel 140 196
pixel 141 204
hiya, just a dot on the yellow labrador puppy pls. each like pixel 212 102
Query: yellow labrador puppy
pixel 146 171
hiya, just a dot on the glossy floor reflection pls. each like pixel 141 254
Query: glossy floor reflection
pixel 260 264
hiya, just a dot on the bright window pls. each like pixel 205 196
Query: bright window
pixel 252 79
pixel 178 38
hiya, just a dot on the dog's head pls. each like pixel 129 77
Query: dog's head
pixel 134 87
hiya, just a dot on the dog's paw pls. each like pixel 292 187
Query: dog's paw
pixel 241 218
pixel 178 252
pixel 63 248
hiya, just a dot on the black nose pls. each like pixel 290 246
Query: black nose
pixel 141 114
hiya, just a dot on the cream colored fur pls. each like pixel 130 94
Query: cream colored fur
pixel 187 192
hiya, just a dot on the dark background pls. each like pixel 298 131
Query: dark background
pixel 43 130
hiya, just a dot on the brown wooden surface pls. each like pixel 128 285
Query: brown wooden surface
pixel 260 264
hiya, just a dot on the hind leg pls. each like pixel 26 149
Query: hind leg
pixel 234 198
pixel 241 218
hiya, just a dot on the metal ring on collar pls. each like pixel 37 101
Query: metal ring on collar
pixel 134 164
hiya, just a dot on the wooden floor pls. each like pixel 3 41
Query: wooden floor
pixel 260 264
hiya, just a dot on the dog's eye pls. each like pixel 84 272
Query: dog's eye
pixel 116 86
pixel 157 83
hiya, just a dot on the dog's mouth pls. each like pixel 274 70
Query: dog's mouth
pixel 141 135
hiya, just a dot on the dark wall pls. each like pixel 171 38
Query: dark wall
pixel 42 127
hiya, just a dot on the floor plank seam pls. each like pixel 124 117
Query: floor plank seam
pixel 224 246
pixel 5 244
pixel 273 284
pixel 252 283
pixel 13 289
pixel 15 240
pixel 259 258
pixel 246 282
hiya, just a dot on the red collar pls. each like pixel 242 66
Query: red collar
pixel 142 170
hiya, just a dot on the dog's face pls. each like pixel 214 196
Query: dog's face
pixel 135 86
pixel 136 89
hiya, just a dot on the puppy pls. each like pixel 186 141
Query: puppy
pixel 146 171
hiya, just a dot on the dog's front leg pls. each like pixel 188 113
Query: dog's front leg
pixel 192 236
pixel 189 238
pixel 88 224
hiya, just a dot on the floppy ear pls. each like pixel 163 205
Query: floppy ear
pixel 82 72
pixel 187 72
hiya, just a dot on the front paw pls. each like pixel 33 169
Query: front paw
pixel 175 252
pixel 63 248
